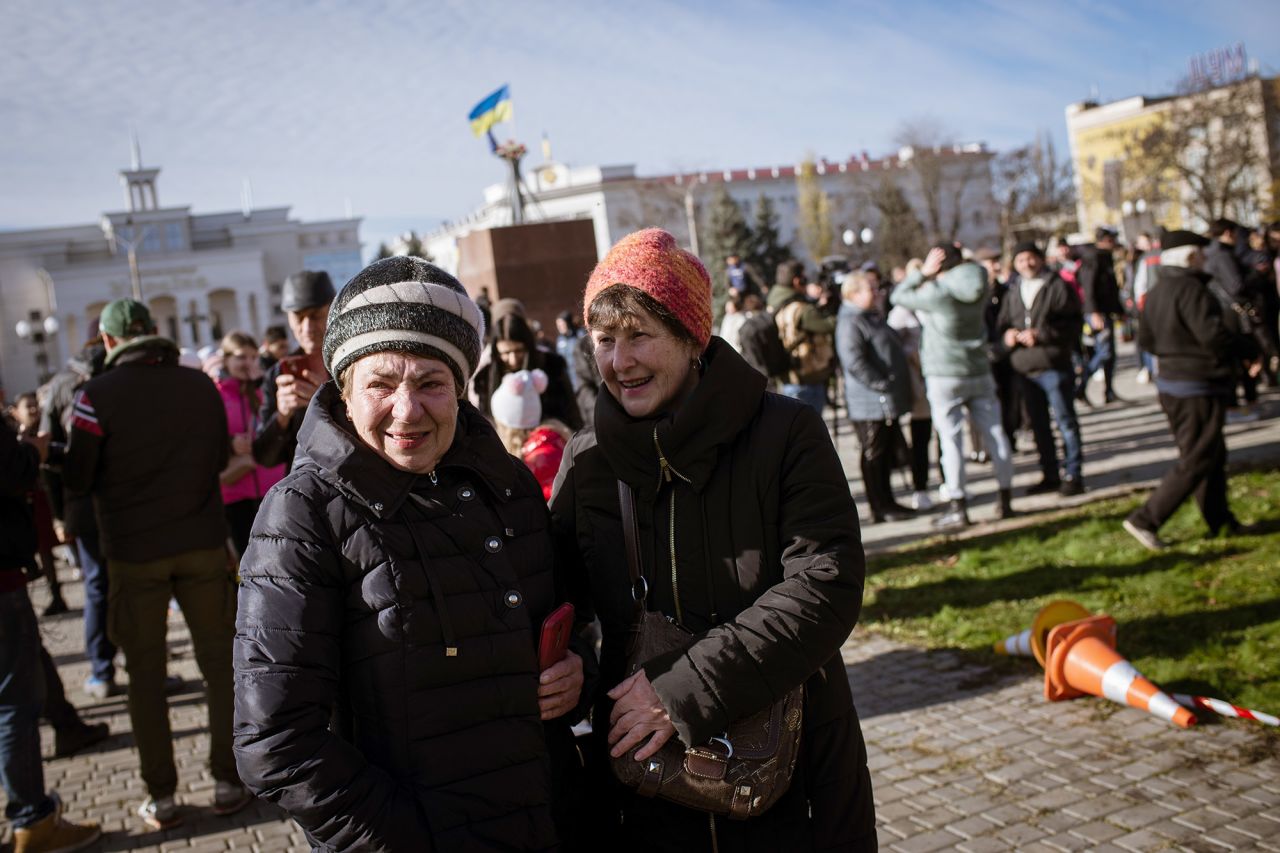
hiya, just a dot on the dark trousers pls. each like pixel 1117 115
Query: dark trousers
pixel 137 615
pixel 98 647
pixel 22 695
pixel 1201 469
pixel 60 713
pixel 1010 402
pixel 921 432
pixel 240 516
pixel 1042 393
pixel 877 439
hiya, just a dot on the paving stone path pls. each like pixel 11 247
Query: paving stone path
pixel 963 757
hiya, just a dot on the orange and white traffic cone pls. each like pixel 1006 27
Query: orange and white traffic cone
pixel 1031 642
pixel 1082 660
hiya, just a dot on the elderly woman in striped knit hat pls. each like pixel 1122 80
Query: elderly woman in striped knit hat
pixel 748 540
pixel 388 689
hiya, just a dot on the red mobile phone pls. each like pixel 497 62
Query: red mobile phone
pixel 557 628
pixel 293 365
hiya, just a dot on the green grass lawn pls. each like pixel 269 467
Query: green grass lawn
pixel 1202 617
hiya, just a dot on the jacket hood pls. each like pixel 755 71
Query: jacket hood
pixel 966 283
pixel 722 404
pixel 148 349
pixel 326 441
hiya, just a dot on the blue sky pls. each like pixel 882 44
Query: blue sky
pixel 323 101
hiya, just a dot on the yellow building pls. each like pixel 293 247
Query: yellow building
pixel 1119 182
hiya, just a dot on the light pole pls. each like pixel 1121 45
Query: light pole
pixel 37 330
pixel 859 239
pixel 131 247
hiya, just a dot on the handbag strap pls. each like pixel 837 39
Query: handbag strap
pixel 631 540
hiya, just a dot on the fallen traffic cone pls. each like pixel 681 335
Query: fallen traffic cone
pixel 1031 642
pixel 1082 660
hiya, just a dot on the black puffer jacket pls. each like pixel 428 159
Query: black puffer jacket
pixel 358 579
pixel 770 571
pixel 1194 337
pixel 1097 275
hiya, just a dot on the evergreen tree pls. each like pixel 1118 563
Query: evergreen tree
pixel 725 233
pixel 901 234
pixel 767 251
pixel 382 253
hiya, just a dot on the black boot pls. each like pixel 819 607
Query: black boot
pixel 1005 506
pixel 955 518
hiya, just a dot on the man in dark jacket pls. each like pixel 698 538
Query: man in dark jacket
pixel 289 385
pixel 79 524
pixel 35 814
pixel 807 332
pixel 1198 352
pixel 148 441
pixel 1230 284
pixel 1102 306
pixel 877 388
pixel 1039 326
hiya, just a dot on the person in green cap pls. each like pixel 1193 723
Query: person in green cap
pixel 148 440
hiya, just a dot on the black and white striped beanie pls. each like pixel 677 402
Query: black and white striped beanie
pixel 404 304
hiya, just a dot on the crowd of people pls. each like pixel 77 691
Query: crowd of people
pixel 365 533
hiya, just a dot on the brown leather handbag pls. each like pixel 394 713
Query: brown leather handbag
pixel 742 772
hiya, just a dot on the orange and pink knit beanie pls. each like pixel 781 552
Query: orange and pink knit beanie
pixel 651 262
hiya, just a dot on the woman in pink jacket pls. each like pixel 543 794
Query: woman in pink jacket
pixel 244 482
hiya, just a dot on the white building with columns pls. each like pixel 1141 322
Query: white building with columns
pixel 202 275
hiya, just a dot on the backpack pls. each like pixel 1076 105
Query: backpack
pixel 810 355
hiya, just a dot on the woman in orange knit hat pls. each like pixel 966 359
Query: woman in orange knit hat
pixel 749 541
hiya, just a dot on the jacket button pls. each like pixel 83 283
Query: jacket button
pixel 377 507
pixel 513 598
pixel 510 532
pixel 466 493
pixel 508 491
pixel 493 544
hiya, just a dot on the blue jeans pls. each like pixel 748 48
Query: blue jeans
pixel 21 699
pixel 813 396
pixel 100 650
pixel 949 398
pixel 1043 393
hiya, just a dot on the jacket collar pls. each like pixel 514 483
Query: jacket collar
pixel 148 349
pixel 724 401
pixel 327 441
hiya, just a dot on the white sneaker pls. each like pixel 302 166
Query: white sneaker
pixel 160 814
pixel 1144 376
pixel 921 502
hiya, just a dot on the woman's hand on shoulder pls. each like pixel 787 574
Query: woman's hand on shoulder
pixel 560 687
pixel 638 714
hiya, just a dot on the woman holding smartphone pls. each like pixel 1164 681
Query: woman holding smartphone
pixel 389 694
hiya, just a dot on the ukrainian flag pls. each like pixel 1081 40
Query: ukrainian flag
pixel 490 111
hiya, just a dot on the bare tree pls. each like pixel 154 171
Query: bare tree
pixel 901 235
pixel 941 176
pixel 1034 190
pixel 813 217
pixel 1206 150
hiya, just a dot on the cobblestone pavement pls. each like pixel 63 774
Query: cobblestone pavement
pixel 962 757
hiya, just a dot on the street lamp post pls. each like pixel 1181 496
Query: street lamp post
pixel 37 331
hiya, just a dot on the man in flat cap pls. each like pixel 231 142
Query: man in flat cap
pixel 1198 351
pixel 289 385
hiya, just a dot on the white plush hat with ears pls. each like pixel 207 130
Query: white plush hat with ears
pixel 516 404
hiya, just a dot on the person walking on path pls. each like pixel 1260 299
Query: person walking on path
pixel 1102 306
pixel 877 389
pixel 1039 331
pixel 1199 352
pixel 289 385
pixel 148 440
pixel 34 813
pixel 947 294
